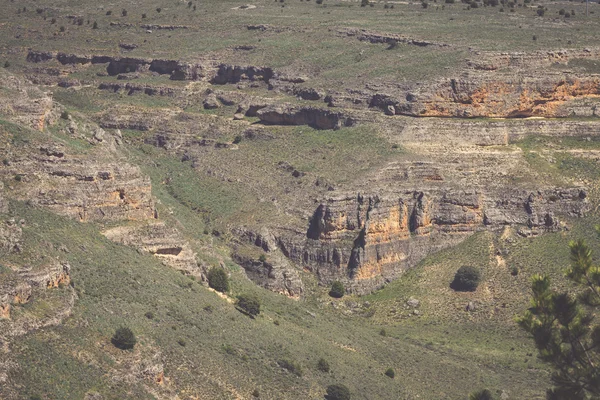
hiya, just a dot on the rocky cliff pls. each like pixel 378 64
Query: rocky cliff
pixel 367 240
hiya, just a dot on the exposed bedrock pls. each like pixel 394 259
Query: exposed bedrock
pixel 366 241
pixel 477 95
pixel 87 190
pixel 227 73
pixel 316 117
pixel 273 272
pixel 164 242
pixel 23 285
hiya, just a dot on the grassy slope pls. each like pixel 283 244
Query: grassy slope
pixel 117 286
pixel 308 39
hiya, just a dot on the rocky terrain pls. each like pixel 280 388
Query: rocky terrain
pixel 140 152
pixel 366 233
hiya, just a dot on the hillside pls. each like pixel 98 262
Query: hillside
pixel 292 144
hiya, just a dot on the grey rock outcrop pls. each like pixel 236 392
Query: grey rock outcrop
pixel 319 118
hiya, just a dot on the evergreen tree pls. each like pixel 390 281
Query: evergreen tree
pixel 337 290
pixel 124 339
pixel 218 280
pixel 564 329
pixel 248 303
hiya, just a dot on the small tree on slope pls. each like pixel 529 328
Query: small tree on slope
pixel 564 329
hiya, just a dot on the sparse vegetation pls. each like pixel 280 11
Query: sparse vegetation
pixel 208 190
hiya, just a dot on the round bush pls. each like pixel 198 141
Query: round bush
pixel 466 279
pixel 124 339
pixel 337 290
pixel 390 372
pixel 323 365
pixel 218 280
pixel 249 304
pixel 484 394
pixel 337 392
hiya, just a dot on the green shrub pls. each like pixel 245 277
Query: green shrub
pixel 337 392
pixel 109 12
pixel 124 339
pixel 6 64
pixel 466 279
pixel 390 372
pixel 323 365
pixel 124 12
pixel 364 3
pixel 149 315
pixel 291 365
pixel 481 395
pixel 218 280
pixel 262 258
pixel 248 303
pixel 181 342
pixel 382 332
pixel 237 139
pixel 337 290
pixel 95 26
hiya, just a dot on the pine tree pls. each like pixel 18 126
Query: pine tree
pixel 564 329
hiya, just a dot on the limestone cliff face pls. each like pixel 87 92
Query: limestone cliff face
pixel 512 97
pixel 159 240
pixel 368 240
pixel 275 272
pixel 25 104
pixel 84 188
pixel 319 118
pixel 493 61
pixel 23 285
pixel 10 236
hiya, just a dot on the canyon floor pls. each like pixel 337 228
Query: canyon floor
pixel 292 144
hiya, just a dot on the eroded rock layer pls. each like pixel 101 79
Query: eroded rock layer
pixel 368 240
